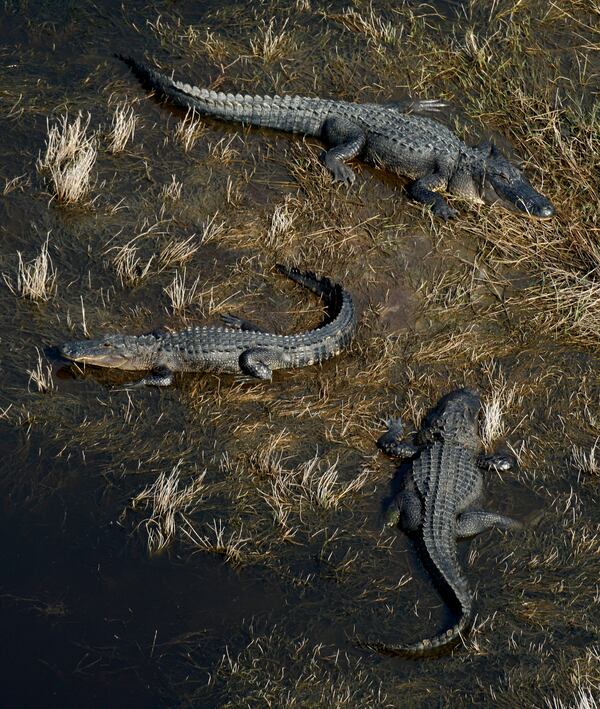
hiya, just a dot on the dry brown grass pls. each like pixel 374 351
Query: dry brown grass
pixel 587 462
pixel 180 293
pixel 178 252
pixel 231 546
pixel 69 158
pixel 189 130
pixel 35 279
pixel 172 190
pixel 369 24
pixel 123 124
pixel 167 502
pixel 499 399
pixel 269 43
pixel 41 376
pixel 130 267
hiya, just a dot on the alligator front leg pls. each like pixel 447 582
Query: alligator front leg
pixel 258 362
pixel 160 377
pixel 498 462
pixel 422 190
pixel 346 141
pixel 392 443
pixel 473 522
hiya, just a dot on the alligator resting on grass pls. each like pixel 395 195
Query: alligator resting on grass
pixel 411 145
pixel 239 348
pixel 436 500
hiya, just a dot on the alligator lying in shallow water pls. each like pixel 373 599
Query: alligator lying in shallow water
pixel 414 146
pixel 238 348
pixel 436 500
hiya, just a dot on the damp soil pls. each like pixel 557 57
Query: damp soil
pixel 89 615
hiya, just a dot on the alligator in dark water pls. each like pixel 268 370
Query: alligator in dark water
pixel 238 348
pixel 411 145
pixel 437 499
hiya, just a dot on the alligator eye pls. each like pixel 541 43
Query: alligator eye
pixel 106 344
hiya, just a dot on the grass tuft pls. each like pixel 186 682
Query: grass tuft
pixel 166 501
pixel 41 376
pixel 123 124
pixel 35 279
pixel 69 158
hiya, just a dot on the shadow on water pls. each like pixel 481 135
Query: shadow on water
pixel 275 559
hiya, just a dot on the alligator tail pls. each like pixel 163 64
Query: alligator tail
pixel 430 646
pixel 321 285
pixel 439 643
pixel 296 114
pixel 342 314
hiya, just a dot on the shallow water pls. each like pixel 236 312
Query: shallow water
pixel 89 616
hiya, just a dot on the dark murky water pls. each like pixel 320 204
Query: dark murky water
pixel 88 617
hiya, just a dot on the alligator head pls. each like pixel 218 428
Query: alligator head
pixel 484 173
pixel 455 417
pixel 118 351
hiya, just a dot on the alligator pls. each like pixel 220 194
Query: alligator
pixel 414 146
pixel 239 347
pixel 437 497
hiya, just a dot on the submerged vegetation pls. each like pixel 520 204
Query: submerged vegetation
pixel 241 500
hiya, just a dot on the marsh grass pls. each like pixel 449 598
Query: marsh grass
pixel 188 130
pixel 123 124
pixel 269 43
pixel 495 405
pixel 222 152
pixel 587 462
pixel 180 293
pixel 167 502
pixel 178 252
pixel 41 376
pixel 314 482
pixel 370 25
pixel 130 266
pixel 231 546
pixel 280 232
pixel 171 191
pixel 15 183
pixel 35 280
pixel 307 674
pixel 69 158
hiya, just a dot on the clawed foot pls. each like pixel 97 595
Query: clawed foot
pixel 444 211
pixel 500 462
pixel 339 170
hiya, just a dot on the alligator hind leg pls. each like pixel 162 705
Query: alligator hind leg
pixel 346 141
pixel 257 362
pixel 236 323
pixel 473 522
pixel 422 190
pixel 405 510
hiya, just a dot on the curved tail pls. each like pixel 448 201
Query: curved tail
pixel 297 114
pixel 450 573
pixel 429 646
pixel 339 328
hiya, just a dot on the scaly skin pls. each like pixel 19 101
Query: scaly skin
pixel 239 349
pixel 411 145
pixel 437 497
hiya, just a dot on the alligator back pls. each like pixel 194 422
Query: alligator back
pixel 447 477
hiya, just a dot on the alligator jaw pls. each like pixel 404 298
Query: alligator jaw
pixel 100 353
